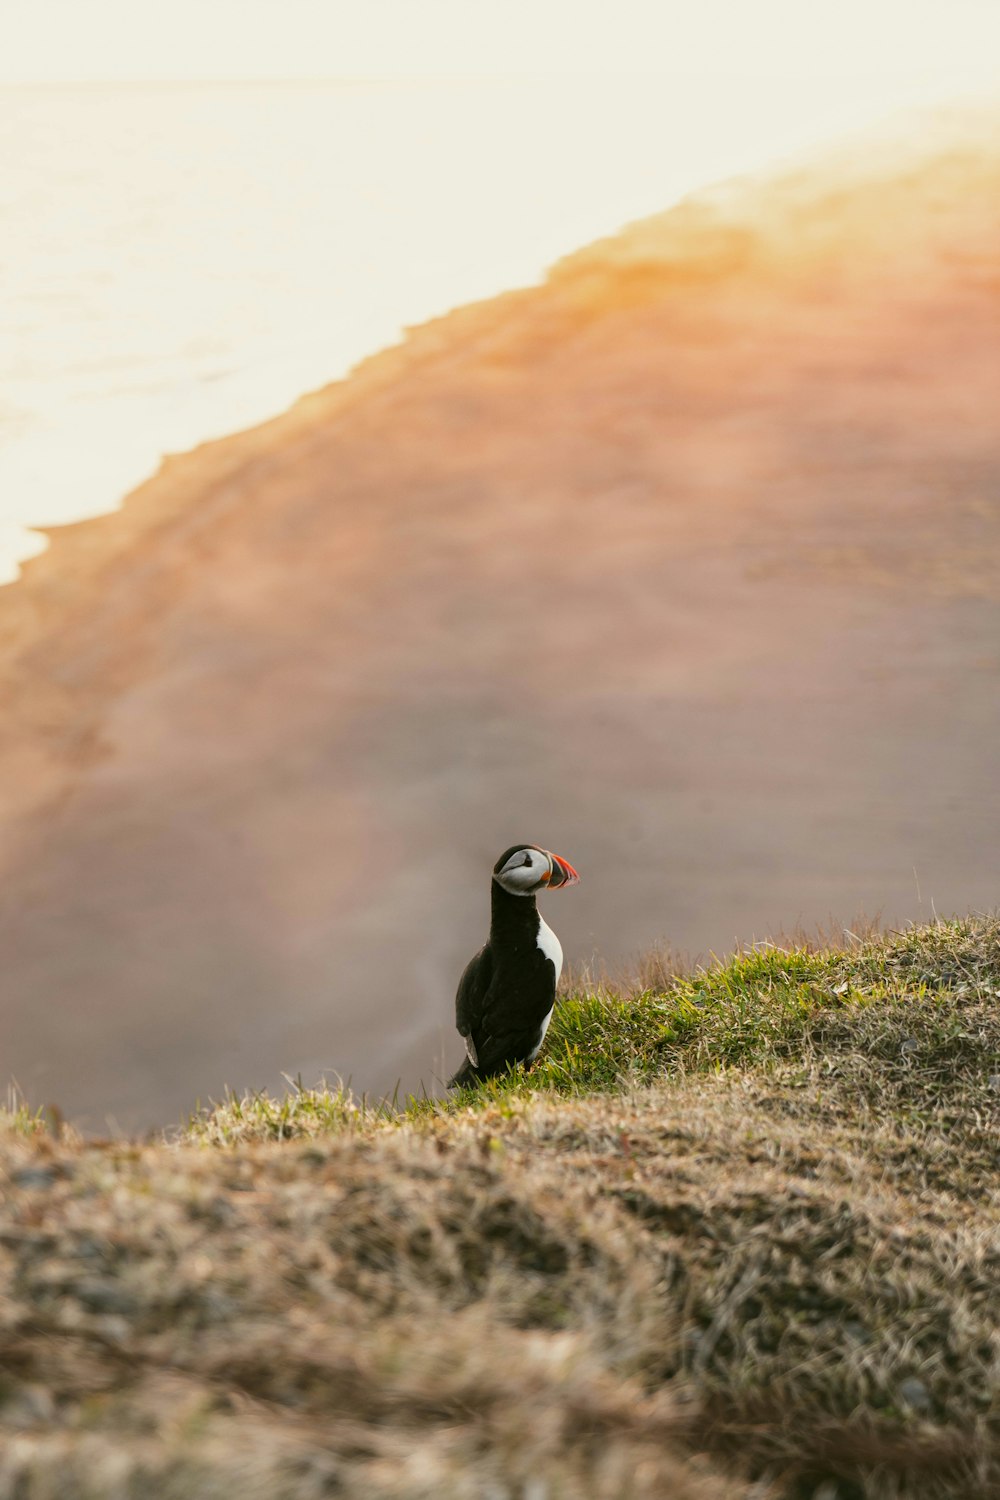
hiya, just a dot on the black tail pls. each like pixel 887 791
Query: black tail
pixel 465 1076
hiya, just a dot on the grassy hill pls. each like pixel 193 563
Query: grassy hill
pixel 736 1235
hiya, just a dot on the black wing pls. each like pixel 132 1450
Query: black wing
pixel 470 1000
pixel 500 1052
pixel 494 1037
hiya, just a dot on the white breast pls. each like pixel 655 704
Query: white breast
pixel 545 1026
pixel 550 946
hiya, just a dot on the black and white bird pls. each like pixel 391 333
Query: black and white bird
pixel 505 997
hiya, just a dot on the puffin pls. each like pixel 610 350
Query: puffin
pixel 507 992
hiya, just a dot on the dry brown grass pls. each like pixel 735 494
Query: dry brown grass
pixel 775 1277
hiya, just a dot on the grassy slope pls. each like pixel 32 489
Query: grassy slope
pixel 740 1225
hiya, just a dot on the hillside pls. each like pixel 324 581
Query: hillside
pixel 685 563
pixel 736 1237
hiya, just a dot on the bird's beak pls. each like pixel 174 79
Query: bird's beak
pixel 563 873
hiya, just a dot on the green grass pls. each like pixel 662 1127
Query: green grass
pixel 19 1118
pixel 762 1009
pixel 301 1111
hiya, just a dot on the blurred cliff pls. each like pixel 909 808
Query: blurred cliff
pixel 685 564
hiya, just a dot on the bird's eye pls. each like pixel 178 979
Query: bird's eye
pixel 527 859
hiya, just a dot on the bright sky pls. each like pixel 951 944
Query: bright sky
pixel 919 48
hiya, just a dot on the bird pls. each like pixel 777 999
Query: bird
pixel 507 991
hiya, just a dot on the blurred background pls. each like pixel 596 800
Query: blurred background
pixel 674 547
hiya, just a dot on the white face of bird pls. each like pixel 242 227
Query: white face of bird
pixel 525 869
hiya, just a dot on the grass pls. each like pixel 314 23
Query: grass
pixel 17 1116
pixel 770 1007
pixel 735 1235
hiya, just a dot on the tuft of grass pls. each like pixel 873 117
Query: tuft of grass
pixel 18 1117
pixel 259 1116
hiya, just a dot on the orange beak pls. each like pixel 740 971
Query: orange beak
pixel 563 873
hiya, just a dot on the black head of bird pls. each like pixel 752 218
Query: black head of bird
pixel 506 995
pixel 524 870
